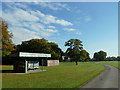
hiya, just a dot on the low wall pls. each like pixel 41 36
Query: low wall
pixel 52 62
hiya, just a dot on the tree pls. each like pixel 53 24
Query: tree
pixel 75 46
pixel 101 55
pixel 55 51
pixel 6 40
pixel 84 55
pixel 35 45
pixel 112 58
pixel 96 56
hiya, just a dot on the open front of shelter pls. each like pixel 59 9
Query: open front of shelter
pixel 29 62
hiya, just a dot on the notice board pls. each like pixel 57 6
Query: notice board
pixel 52 62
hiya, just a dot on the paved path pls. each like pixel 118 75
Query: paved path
pixel 107 79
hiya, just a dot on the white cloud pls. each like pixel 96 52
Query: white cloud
pixel 21 5
pixel 10 18
pixel 63 22
pixel 34 26
pixel 87 18
pixel 17 16
pixel 50 30
pixel 24 15
pixel 53 5
pixel 47 19
pixel 22 34
pixel 27 24
pixel 61 5
pixel 48 5
pixel 69 29
pixel 52 27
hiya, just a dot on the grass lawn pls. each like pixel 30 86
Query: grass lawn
pixel 66 75
pixel 112 63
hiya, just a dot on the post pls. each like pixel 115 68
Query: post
pixel 33 66
pixel 42 64
pixel 38 65
pixel 26 68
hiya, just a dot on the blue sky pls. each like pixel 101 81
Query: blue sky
pixel 94 23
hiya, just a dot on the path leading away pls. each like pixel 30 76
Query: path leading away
pixel 107 79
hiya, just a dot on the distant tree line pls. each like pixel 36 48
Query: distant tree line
pixel 113 58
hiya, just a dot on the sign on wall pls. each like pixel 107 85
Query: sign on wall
pixel 36 64
pixel 52 62
pixel 33 65
pixel 25 54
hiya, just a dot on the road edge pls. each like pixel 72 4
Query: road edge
pixel 93 77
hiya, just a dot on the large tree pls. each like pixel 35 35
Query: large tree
pixel 6 39
pixel 74 48
pixel 101 55
pixel 55 51
pixel 34 45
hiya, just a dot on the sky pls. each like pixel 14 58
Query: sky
pixel 94 23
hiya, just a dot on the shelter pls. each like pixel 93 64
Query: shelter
pixel 25 61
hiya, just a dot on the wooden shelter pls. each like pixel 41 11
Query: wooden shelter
pixel 25 61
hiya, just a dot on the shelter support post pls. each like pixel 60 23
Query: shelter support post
pixel 42 64
pixel 26 66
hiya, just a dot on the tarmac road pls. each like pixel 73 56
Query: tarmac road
pixel 107 79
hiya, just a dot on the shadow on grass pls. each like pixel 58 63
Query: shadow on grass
pixel 7 71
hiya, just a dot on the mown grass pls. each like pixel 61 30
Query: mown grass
pixel 112 63
pixel 66 75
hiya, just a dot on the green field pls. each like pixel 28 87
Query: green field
pixel 66 75
pixel 112 63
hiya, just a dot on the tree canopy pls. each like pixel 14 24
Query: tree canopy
pixel 101 55
pixel 75 50
pixel 6 40
pixel 84 55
